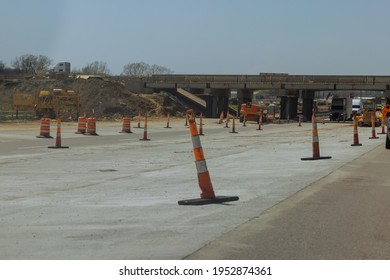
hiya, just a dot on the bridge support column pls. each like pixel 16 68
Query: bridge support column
pixel 217 101
pixel 289 106
pixel 307 104
pixel 243 96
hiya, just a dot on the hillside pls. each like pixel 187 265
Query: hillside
pixel 99 98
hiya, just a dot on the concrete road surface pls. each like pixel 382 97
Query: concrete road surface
pixel 114 197
pixel 345 215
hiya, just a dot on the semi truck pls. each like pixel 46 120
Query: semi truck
pixel 341 109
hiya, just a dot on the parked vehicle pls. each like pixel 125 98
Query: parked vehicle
pixel 341 109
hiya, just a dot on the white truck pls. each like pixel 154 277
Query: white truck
pixel 356 106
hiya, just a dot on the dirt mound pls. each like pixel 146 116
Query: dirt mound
pixel 99 98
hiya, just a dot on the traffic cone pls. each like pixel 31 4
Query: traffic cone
pixel 201 124
pixel 139 120
pixel 355 132
pixel 383 125
pixel 58 138
pixel 227 120
pixel 169 115
pixel 373 126
pixel 315 143
pixel 220 118
pixel 126 125
pixel 260 120
pixel 44 129
pixel 233 126
pixel 207 195
pixel 145 130
pixel 244 122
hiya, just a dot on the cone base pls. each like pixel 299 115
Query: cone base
pixel 49 137
pixel 373 138
pixel 59 147
pixel 144 139
pixel 167 127
pixel 356 144
pixel 204 201
pixel 92 134
pixel 259 129
pixel 125 132
pixel 233 132
pixel 381 133
pixel 315 158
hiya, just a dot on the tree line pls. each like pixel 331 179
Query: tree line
pixel 41 64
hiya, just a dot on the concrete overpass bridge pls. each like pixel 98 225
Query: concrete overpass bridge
pixel 215 89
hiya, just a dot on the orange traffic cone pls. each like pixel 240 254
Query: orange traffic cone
pixel 355 132
pixel 145 130
pixel 260 120
pixel 373 126
pixel 383 125
pixel 207 195
pixel 315 143
pixel 169 115
pixel 126 125
pixel 227 120
pixel 139 120
pixel 201 124
pixel 220 118
pixel 58 138
pixel 234 125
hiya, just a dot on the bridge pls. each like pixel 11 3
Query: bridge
pixel 215 89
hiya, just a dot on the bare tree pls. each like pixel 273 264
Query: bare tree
pixel 32 64
pixel 137 69
pixel 97 67
pixel 140 69
pixel 157 69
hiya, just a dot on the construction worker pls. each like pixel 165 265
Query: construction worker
pixel 384 112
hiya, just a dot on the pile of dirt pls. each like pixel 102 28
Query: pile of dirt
pixel 100 98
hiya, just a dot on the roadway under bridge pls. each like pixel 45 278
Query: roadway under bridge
pixel 215 90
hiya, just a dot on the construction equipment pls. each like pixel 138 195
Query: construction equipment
pixel 368 106
pixel 48 103
pixel 251 112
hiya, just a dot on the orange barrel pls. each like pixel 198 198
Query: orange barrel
pixel 44 131
pixel 82 125
pixel 91 126
pixel 126 127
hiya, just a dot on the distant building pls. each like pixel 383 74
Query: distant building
pixel 62 67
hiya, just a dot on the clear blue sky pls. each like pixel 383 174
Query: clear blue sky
pixel 204 36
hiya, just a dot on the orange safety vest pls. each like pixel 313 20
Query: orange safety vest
pixel 385 110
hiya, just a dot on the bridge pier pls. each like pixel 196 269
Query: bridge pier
pixel 217 101
pixel 289 105
pixel 307 104
pixel 243 96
